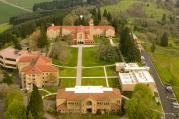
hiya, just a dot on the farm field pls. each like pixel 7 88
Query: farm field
pixel 28 4
pixel 7 11
pixel 4 27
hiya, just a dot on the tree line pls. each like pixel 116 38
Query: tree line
pixel 24 29
pixel 61 4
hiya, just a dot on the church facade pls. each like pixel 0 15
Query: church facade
pixel 81 34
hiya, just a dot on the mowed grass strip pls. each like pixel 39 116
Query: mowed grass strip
pixel 93 72
pixel 7 11
pixel 93 82
pixel 69 82
pixel 111 71
pixel 67 72
pixel 113 82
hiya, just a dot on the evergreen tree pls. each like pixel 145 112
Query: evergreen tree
pixel 128 47
pixel 164 40
pixel 43 41
pixel 35 105
pixel 99 14
pixel 105 13
pixel 116 25
pixel 109 17
pixel 17 44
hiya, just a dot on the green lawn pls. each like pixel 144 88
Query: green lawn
pixel 4 27
pixel 52 89
pixel 101 40
pixel 111 71
pixel 93 82
pixel 90 57
pixel 26 3
pixel 166 61
pixel 70 61
pixel 73 116
pixel 7 11
pixel 88 72
pixel 67 82
pixel 67 72
pixel 113 82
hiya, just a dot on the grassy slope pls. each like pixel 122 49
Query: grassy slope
pixel 166 61
pixel 4 27
pixel 151 8
pixel 7 11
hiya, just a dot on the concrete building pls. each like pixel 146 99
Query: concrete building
pixel 10 56
pixel 88 99
pixel 81 34
pixel 38 70
pixel 131 74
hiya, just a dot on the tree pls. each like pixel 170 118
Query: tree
pixel 128 47
pixel 43 41
pixel 105 13
pixel 164 19
pixel 68 20
pixel 7 79
pixel 30 116
pixel 16 42
pixel 35 105
pixel 142 105
pixel 107 53
pixel 61 51
pixel 104 21
pixel 109 17
pixel 164 40
pixel 153 47
pixel 99 14
pixel 15 110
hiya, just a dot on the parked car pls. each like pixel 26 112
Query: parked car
pixel 169 89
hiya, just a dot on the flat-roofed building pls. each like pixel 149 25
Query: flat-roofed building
pixel 88 99
pixel 9 57
pixel 131 74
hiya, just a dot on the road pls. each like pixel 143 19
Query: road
pixel 13 5
pixel 166 103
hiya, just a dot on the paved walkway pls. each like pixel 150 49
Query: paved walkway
pixel 13 5
pixel 79 65
pixel 107 84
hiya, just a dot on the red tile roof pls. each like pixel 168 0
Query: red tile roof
pixel 39 64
